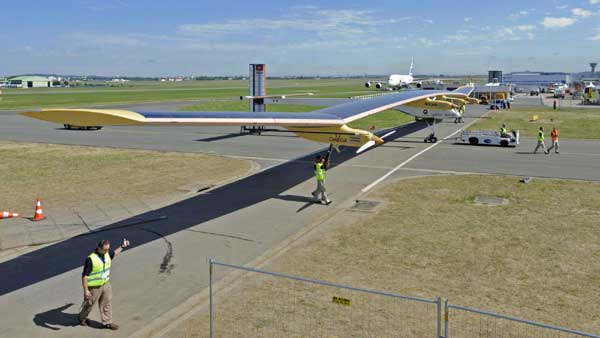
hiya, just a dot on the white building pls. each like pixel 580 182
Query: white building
pixel 536 79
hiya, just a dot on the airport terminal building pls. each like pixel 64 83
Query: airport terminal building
pixel 536 79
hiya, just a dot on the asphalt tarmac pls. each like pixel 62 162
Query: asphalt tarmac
pixel 41 292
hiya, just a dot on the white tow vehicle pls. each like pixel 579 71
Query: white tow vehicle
pixel 490 137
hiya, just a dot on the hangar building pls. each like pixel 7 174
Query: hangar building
pixel 27 81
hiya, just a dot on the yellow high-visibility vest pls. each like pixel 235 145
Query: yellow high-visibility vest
pixel 319 172
pixel 540 137
pixel 100 273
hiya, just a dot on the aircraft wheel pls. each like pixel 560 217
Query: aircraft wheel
pixel 434 139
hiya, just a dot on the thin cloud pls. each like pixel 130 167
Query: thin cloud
pixel 597 36
pixel 456 37
pixel 309 19
pixel 580 12
pixel 554 23
pixel 525 28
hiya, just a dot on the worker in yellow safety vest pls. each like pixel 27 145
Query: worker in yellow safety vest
pixel 504 131
pixel 320 168
pixel 540 142
pixel 96 286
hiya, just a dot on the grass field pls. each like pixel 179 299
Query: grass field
pixel 67 176
pixel 536 258
pixel 573 123
pixel 15 99
pixel 385 119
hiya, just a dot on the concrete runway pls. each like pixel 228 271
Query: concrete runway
pixel 40 291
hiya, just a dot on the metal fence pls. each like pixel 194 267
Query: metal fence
pixel 464 322
pixel 258 303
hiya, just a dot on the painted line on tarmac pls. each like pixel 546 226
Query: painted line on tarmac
pixel 410 159
pixel 282 160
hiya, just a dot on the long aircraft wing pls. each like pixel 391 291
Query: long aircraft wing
pixel 331 116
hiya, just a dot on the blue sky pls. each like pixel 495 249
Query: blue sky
pixel 191 37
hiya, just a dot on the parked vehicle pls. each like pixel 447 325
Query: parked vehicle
pixel 490 137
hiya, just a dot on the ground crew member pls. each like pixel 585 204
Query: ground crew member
pixel 96 286
pixel 320 167
pixel 554 135
pixel 504 131
pixel 540 142
pixel 461 112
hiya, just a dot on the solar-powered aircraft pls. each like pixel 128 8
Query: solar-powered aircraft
pixel 328 125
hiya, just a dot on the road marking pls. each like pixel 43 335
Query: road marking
pixel 282 160
pixel 399 166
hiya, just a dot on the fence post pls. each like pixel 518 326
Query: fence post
pixel 446 315
pixel 210 296
pixel 439 317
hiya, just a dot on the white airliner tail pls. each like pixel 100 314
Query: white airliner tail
pixel 412 65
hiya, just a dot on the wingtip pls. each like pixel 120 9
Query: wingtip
pixel 29 113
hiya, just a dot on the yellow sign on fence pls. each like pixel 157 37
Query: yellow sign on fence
pixel 340 301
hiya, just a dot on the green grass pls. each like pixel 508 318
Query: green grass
pixel 385 119
pixel 66 176
pixel 536 258
pixel 138 92
pixel 572 123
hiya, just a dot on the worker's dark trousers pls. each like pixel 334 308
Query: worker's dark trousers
pixel 103 296
pixel 554 146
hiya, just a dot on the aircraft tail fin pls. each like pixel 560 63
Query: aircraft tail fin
pixel 412 66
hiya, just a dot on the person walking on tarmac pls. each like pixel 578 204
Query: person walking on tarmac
pixel 461 112
pixel 540 142
pixel 554 135
pixel 320 168
pixel 96 286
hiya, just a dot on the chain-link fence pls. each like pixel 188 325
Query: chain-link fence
pixel 464 322
pixel 257 303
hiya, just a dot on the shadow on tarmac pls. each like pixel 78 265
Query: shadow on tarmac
pixel 56 318
pixel 55 259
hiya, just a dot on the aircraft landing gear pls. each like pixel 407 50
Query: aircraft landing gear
pixel 431 124
pixel 431 138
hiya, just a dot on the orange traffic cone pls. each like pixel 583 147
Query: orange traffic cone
pixel 6 214
pixel 39 213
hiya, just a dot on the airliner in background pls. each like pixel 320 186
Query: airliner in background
pixel 398 81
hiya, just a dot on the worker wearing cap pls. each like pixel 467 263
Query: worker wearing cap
pixel 320 167
pixel 96 286
pixel 540 142
pixel 554 135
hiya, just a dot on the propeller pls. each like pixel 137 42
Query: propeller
pixel 371 143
